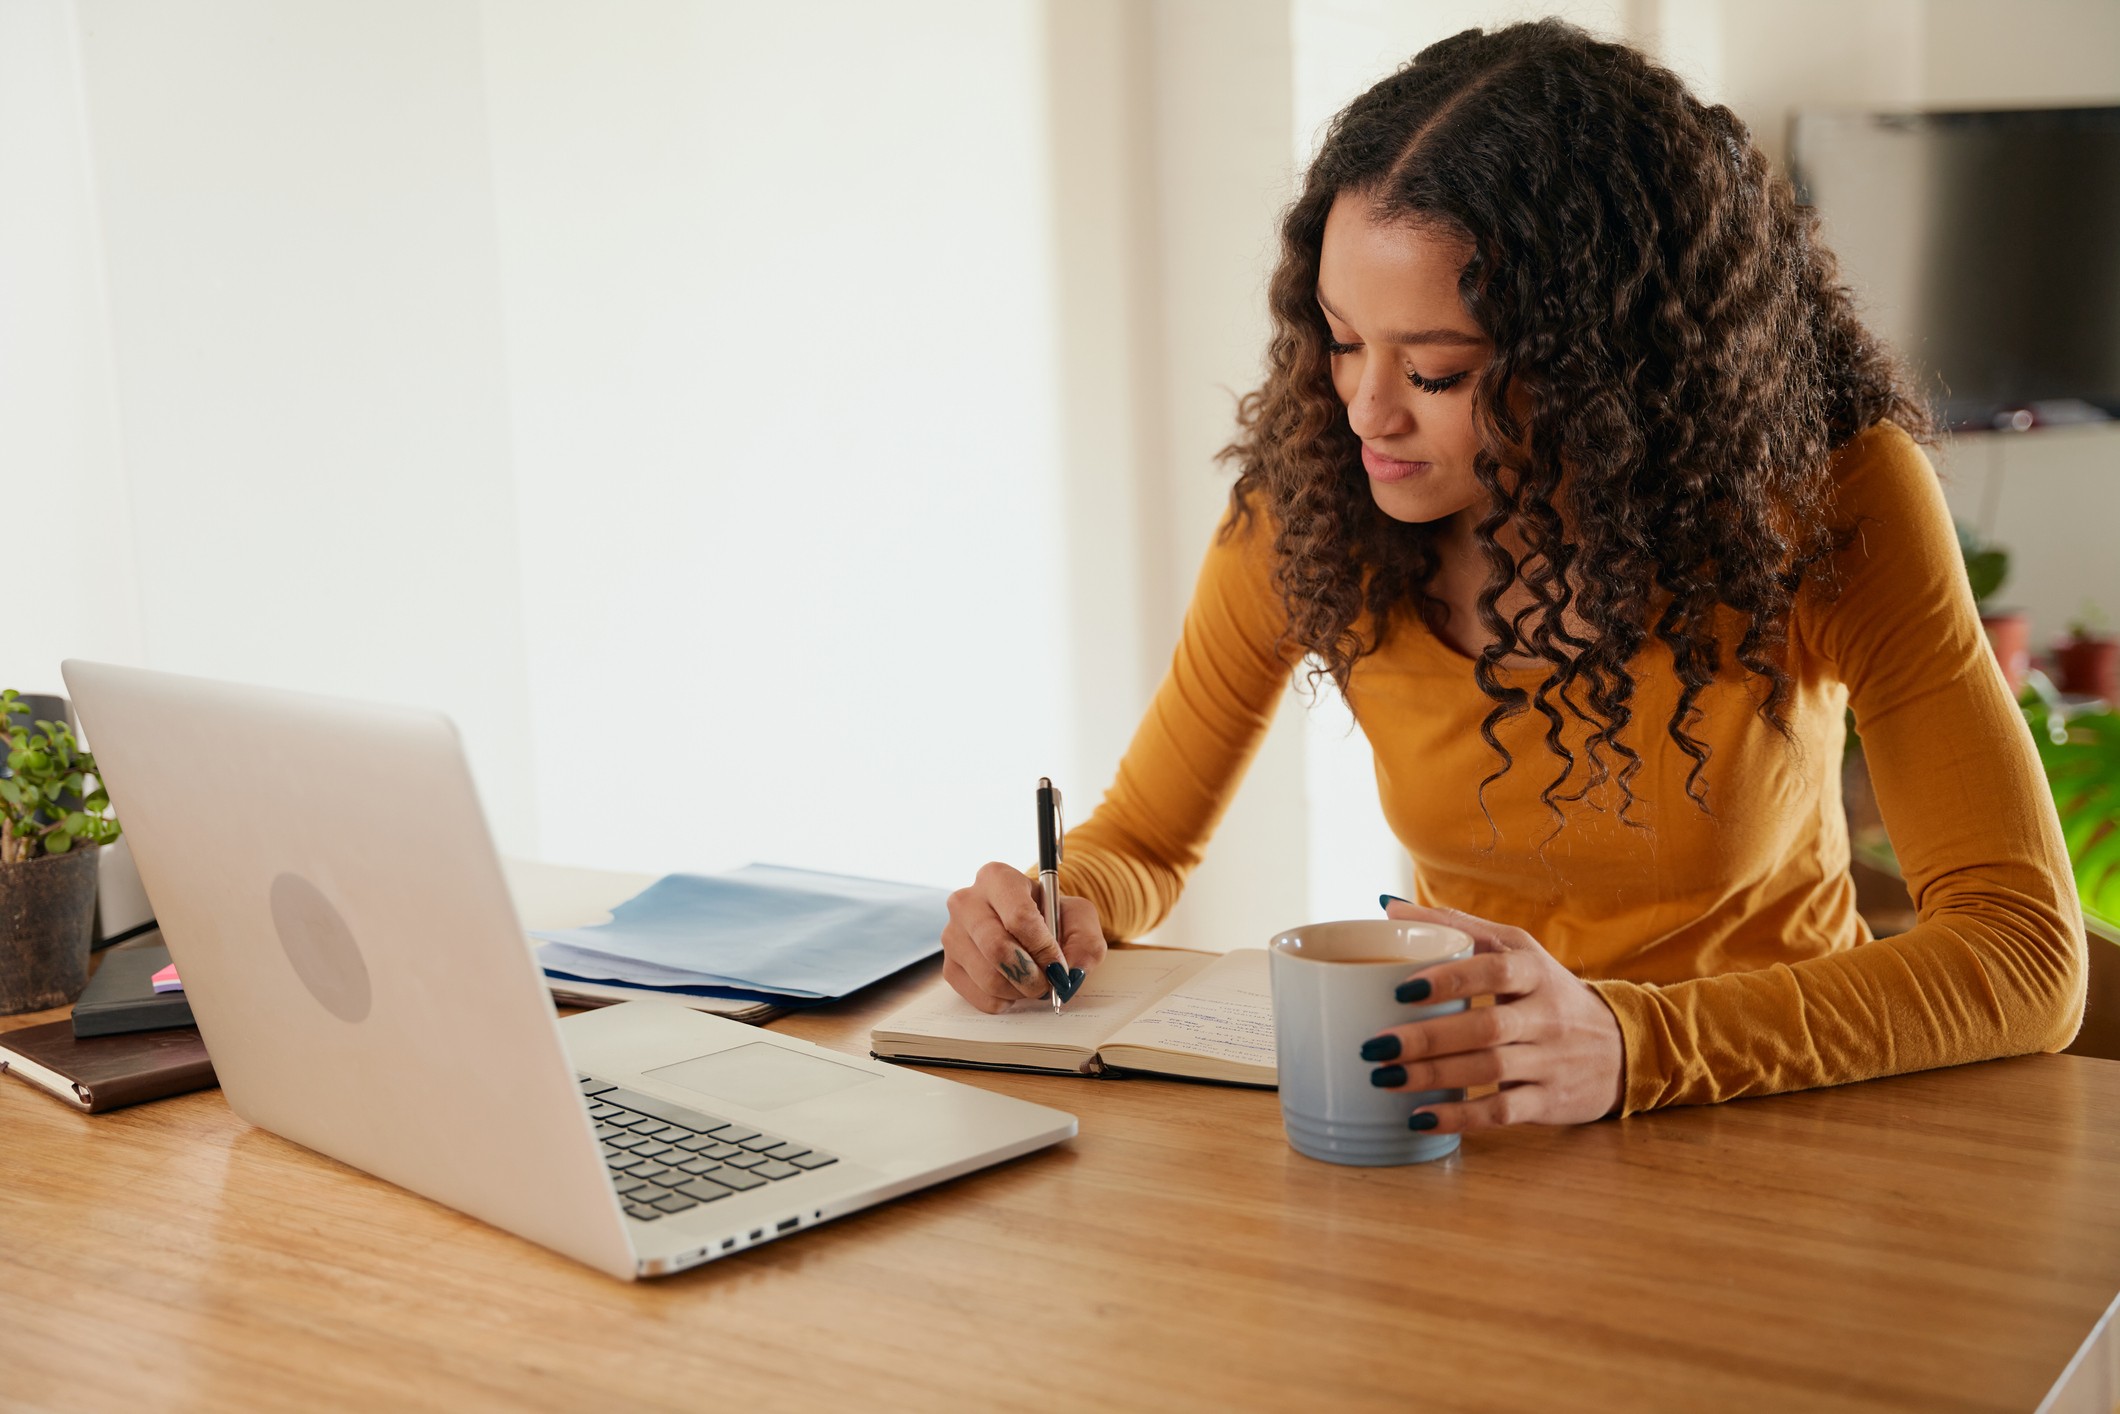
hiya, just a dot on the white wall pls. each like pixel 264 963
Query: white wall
pixel 664 392
pixel 1978 53
pixel 1817 53
pixel 299 246
pixel 780 352
pixel 73 586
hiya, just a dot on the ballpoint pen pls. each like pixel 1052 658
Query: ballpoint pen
pixel 1063 980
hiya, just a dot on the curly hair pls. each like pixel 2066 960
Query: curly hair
pixel 1675 361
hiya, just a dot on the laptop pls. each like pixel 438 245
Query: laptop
pixel 324 879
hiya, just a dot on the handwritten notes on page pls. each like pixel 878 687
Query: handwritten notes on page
pixel 1200 1016
pixel 1224 1011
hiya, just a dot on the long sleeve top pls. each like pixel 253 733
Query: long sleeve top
pixel 1725 941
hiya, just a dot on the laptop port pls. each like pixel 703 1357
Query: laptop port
pixel 727 1243
pixel 757 1232
pixel 791 1222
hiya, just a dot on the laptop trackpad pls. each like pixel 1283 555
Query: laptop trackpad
pixel 761 1076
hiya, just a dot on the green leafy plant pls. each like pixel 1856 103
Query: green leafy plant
pixel 51 799
pixel 2088 625
pixel 1987 565
pixel 2081 753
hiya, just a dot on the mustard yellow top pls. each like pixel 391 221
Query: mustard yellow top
pixel 1727 944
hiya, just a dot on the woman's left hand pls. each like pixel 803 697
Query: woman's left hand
pixel 1549 1041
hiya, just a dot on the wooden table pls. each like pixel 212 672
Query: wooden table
pixel 1941 1241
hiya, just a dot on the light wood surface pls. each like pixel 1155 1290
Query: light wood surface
pixel 1941 1241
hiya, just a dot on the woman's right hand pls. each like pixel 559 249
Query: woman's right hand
pixel 996 946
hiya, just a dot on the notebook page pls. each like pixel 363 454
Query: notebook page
pixel 1114 990
pixel 1225 1010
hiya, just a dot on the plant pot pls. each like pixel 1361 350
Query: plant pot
pixel 2009 633
pixel 2090 666
pixel 47 907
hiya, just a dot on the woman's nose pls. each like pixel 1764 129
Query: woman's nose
pixel 1378 409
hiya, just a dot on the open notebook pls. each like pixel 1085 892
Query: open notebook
pixel 1197 1016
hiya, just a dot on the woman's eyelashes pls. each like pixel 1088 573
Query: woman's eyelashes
pixel 1335 348
pixel 1434 385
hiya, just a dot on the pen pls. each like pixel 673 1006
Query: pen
pixel 1049 831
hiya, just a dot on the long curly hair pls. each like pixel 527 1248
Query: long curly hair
pixel 1680 348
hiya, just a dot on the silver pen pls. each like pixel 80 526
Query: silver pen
pixel 1050 829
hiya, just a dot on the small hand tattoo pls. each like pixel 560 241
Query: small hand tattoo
pixel 1018 969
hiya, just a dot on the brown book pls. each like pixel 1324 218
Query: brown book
pixel 98 1073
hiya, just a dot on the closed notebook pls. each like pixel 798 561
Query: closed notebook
pixel 1156 1011
pixel 122 996
pixel 107 1072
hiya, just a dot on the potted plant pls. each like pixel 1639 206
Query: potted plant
pixel 2009 631
pixel 2087 662
pixel 54 813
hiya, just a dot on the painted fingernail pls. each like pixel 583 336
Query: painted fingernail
pixel 1414 991
pixel 1380 1048
pixel 1074 984
pixel 1386 1076
pixel 1056 973
pixel 1420 1121
pixel 1387 900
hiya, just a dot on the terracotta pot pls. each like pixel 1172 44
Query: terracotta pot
pixel 2090 666
pixel 47 908
pixel 2009 633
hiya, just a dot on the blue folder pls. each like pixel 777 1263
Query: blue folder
pixel 796 935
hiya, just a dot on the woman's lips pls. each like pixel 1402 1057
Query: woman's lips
pixel 1385 468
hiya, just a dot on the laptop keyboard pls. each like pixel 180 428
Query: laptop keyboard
pixel 665 1158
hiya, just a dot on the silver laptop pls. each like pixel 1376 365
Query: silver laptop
pixel 324 878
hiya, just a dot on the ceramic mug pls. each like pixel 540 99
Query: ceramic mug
pixel 1334 987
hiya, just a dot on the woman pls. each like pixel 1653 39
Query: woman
pixel 1576 472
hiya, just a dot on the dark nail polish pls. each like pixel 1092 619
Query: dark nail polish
pixel 1386 1076
pixel 1387 900
pixel 1056 973
pixel 1380 1048
pixel 1074 984
pixel 1414 991
pixel 1420 1121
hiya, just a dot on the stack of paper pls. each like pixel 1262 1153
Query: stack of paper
pixel 763 932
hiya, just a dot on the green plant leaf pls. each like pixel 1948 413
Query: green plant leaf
pixel 9 791
pixel 1986 571
pixel 74 823
pixel 2095 867
pixel 58 843
pixel 2084 770
pixel 97 801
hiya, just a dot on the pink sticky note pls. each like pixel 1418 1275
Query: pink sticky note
pixel 166 980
